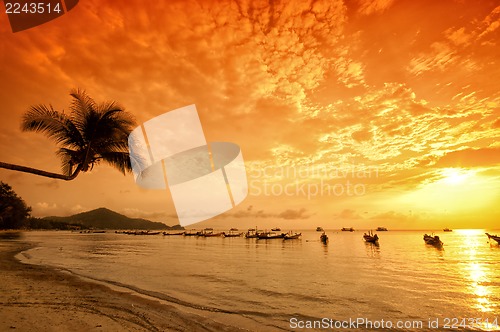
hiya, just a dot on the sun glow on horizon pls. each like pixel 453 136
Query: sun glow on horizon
pixel 470 232
pixel 456 192
pixel 455 176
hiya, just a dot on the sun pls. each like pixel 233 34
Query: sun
pixel 455 176
pixel 457 192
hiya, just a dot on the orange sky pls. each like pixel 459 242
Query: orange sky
pixel 396 99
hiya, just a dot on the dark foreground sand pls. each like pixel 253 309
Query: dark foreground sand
pixel 39 298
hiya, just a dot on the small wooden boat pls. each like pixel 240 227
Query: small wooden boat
pixel 233 232
pixel 370 237
pixel 206 232
pixel 276 229
pixel 494 237
pixel 148 233
pixel 319 229
pixel 252 233
pixel 447 230
pixel 270 235
pixel 192 232
pixel 171 234
pixel 292 236
pixel 142 233
pixel 209 232
pixel 345 229
pixel 324 238
pixel 213 234
pixel 433 240
pixel 381 229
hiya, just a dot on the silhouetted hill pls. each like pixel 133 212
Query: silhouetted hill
pixel 103 218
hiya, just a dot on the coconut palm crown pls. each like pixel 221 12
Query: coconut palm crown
pixel 89 134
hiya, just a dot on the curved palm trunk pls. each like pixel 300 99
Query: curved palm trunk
pixel 40 172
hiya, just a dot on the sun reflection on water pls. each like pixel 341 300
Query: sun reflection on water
pixel 478 277
pixel 477 272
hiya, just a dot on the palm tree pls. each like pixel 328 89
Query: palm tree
pixel 89 134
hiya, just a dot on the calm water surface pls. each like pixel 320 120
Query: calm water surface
pixel 269 282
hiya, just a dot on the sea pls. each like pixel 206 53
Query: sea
pixel 401 284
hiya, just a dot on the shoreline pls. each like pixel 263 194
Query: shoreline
pixel 43 298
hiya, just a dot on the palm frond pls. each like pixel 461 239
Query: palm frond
pixel 122 119
pixel 112 129
pixel 82 108
pixel 82 103
pixel 116 118
pixel 56 125
pixel 90 127
pixel 119 160
pixel 69 159
pixel 112 144
pixel 139 162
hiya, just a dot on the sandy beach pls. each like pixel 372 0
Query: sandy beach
pixel 40 298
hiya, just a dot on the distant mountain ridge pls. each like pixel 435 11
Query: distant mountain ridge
pixel 103 218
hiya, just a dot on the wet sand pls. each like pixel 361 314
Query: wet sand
pixel 41 298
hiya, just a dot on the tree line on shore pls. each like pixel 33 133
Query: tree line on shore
pixel 16 214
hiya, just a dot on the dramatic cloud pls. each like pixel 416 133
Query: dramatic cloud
pixel 289 214
pixel 470 158
pixel 294 214
pixel 367 7
pixel 348 214
pixel 53 209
